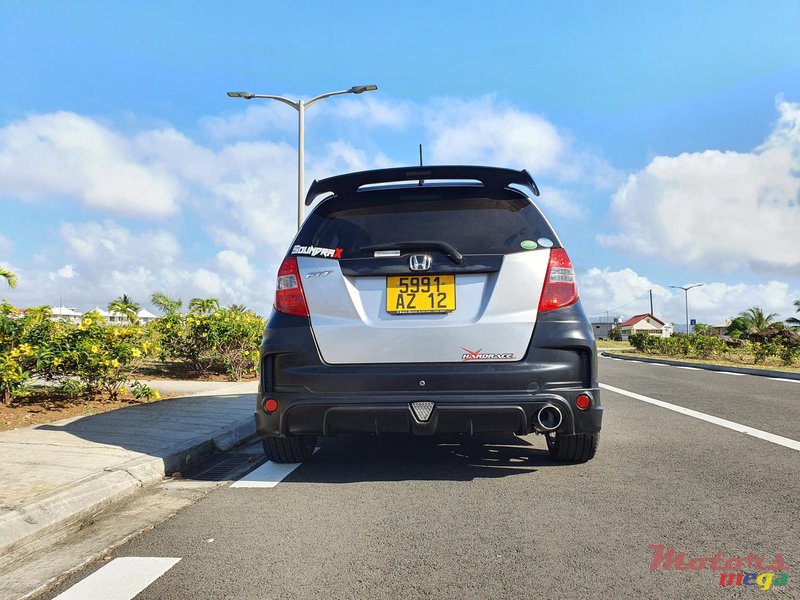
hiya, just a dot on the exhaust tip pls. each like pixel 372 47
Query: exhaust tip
pixel 548 418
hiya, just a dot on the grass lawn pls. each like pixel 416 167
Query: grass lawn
pixel 609 345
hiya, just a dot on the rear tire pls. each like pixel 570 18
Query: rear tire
pixel 577 448
pixel 294 449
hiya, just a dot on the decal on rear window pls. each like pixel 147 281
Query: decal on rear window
pixel 529 244
pixel 545 242
pixel 317 251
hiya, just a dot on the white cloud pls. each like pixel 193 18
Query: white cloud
pixel 371 111
pixel 208 282
pixel 624 292
pixel 490 132
pixel 103 260
pixel 237 265
pixel 726 209
pixel 256 119
pixel 64 154
pixel 67 272
pixel 559 202
pixel 262 117
pixel 484 131
pixel 5 245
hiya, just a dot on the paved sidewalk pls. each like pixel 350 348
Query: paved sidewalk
pixel 56 473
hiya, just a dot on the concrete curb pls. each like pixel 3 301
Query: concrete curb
pixel 719 368
pixel 91 494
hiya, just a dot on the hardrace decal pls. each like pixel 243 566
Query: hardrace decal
pixel 481 355
pixel 315 251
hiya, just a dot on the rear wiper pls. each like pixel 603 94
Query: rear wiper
pixel 454 254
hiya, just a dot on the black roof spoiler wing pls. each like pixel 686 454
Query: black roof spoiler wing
pixel 490 177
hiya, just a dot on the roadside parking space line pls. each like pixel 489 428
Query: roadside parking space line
pixel 121 579
pixel 757 433
pixel 267 475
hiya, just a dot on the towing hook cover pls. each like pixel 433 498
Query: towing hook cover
pixel 422 410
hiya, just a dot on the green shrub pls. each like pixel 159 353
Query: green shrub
pixel 86 359
pixel 224 340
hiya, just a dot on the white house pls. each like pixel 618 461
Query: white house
pixel 62 312
pixel 114 317
pixel 645 323
pixel 145 316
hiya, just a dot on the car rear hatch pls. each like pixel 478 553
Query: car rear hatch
pixel 424 273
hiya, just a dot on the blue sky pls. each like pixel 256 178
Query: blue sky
pixel 666 138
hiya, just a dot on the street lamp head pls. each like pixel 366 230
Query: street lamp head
pixel 360 89
pixel 245 95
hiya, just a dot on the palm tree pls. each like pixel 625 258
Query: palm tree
pixel 167 305
pixel 203 305
pixel 125 305
pixel 757 319
pixel 9 276
pixel 795 320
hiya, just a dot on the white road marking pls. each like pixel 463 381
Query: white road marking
pixel 689 368
pixel 782 379
pixel 730 373
pixel 757 433
pixel 658 364
pixel 267 475
pixel 121 579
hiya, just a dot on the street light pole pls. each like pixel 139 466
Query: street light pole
pixel 301 161
pixel 686 289
pixel 300 106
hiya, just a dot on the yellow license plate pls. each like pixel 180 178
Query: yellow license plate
pixel 415 294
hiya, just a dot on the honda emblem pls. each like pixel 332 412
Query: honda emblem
pixel 420 262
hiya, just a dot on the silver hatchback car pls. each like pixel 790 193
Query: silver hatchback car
pixel 427 300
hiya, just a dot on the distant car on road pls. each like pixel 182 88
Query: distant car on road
pixel 427 300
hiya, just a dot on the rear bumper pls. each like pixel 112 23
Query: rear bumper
pixel 393 414
pixel 317 398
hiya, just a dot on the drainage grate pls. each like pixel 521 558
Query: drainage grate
pixel 223 467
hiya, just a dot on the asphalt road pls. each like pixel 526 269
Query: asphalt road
pixel 495 518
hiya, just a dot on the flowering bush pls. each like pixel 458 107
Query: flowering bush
pixel 226 339
pixel 90 358
pixel 94 357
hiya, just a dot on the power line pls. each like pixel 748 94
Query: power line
pixel 602 312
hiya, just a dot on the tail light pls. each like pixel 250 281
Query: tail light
pixel 289 297
pixel 559 283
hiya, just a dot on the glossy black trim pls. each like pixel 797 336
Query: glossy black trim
pixel 441 265
pixel 490 177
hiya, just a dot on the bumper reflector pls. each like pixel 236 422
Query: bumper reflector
pixel 422 410
pixel 270 405
pixel 583 401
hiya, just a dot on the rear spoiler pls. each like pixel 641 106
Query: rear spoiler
pixel 492 178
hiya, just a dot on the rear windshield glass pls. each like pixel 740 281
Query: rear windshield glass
pixel 472 224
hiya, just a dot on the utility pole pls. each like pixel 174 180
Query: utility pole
pixel 651 303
